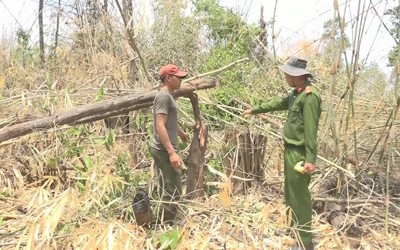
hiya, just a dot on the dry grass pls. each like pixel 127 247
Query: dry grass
pixel 48 214
pixel 91 209
pixel 60 220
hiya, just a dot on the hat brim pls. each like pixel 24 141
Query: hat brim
pixel 293 71
pixel 181 74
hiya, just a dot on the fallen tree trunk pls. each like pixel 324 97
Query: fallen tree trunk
pixel 99 110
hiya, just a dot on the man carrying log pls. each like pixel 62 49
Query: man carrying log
pixel 300 139
pixel 164 144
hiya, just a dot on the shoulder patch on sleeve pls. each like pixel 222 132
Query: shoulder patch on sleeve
pixel 308 90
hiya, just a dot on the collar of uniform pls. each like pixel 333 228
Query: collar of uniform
pixel 305 84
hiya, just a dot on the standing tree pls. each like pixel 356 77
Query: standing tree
pixel 127 14
pixel 57 27
pixel 129 34
pixel 372 82
pixel 93 18
pixel 334 41
pixel 23 37
pixel 394 31
pixel 41 35
pixel 173 38
pixel 227 38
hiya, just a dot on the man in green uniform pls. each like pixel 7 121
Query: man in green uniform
pixel 164 144
pixel 300 139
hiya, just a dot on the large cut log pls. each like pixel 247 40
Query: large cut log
pixel 99 110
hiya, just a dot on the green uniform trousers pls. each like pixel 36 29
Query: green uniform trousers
pixel 297 194
pixel 170 184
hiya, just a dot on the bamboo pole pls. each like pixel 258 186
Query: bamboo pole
pixel 395 111
pixel 334 69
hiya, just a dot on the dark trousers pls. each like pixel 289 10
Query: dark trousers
pixel 170 184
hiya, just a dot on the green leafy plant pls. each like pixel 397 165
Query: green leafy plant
pixel 169 240
pixel 122 167
pixel 215 163
pixel 108 140
pixel 100 93
pixel 5 194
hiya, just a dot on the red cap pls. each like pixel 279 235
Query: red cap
pixel 171 69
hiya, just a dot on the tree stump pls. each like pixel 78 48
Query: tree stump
pixel 243 159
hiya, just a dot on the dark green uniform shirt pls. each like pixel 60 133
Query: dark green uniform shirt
pixel 302 121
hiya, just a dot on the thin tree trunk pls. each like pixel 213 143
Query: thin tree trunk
pixel 57 26
pixel 105 6
pixel 132 75
pixel 273 35
pixel 41 35
pixel 132 42
pixel 334 69
pixel 263 35
pixel 127 13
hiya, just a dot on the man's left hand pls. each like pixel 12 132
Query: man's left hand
pixel 308 168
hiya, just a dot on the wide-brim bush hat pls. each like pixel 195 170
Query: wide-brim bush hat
pixel 295 67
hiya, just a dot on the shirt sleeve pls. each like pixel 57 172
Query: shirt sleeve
pixel 273 105
pixel 311 113
pixel 162 104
